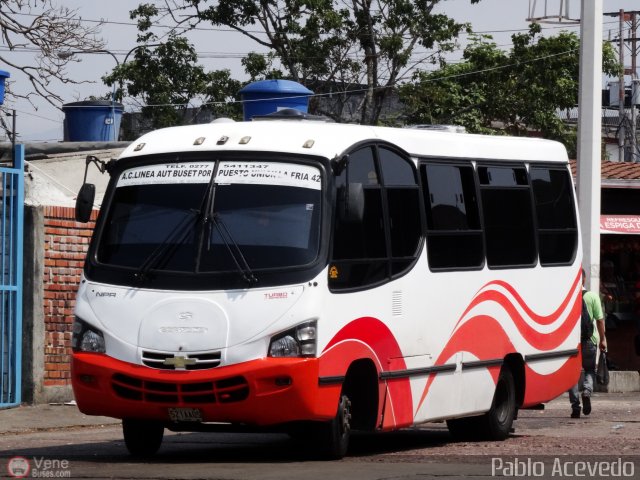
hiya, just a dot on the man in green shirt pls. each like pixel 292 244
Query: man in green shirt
pixel 589 349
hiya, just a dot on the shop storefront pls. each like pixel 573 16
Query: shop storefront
pixel 620 271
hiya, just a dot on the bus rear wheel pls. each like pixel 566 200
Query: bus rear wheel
pixel 496 423
pixel 142 437
pixel 465 429
pixel 498 420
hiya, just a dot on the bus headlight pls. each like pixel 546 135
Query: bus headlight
pixel 297 342
pixel 86 338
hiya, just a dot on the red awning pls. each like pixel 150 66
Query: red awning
pixel 620 224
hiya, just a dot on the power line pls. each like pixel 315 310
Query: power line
pixel 227 29
pixel 34 115
pixel 360 90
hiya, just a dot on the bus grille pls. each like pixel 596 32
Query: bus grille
pixel 191 361
pixel 227 390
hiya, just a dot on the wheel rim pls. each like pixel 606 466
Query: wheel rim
pixel 502 402
pixel 345 416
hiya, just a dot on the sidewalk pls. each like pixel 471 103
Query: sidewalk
pixel 29 418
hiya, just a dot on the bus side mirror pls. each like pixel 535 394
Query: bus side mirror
pixel 636 342
pixel 84 202
pixel 351 203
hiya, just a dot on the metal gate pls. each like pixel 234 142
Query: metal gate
pixel 11 234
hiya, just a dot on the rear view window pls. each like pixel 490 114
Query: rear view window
pixel 555 214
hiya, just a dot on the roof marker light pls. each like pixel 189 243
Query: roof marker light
pixel 244 140
pixel 222 140
pixel 139 147
pixel 308 144
pixel 199 141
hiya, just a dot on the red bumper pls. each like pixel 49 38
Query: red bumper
pixel 260 392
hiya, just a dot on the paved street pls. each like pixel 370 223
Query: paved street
pixel 77 446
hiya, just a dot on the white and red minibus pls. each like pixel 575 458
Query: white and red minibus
pixel 319 278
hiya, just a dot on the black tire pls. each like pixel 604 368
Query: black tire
pixel 142 437
pixel 496 423
pixel 332 438
pixel 498 420
pixel 465 429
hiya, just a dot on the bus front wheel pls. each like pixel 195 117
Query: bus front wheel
pixel 142 437
pixel 332 438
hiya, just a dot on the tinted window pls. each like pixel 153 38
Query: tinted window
pixel 386 241
pixel 362 168
pixel 395 169
pixel 365 239
pixel 555 213
pixel 454 238
pixel 507 216
pixel 359 248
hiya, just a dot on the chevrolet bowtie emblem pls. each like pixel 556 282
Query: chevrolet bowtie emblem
pixel 179 363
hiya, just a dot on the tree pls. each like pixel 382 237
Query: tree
pixel 361 46
pixel 39 26
pixel 165 81
pixel 515 92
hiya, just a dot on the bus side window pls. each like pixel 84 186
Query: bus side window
pixel 555 213
pixel 454 237
pixel 507 214
pixel 361 256
pixel 359 249
pixel 403 195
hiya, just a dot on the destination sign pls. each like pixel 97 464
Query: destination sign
pixel 229 173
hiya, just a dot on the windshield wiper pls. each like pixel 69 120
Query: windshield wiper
pixel 175 238
pixel 213 218
pixel 163 249
pixel 235 252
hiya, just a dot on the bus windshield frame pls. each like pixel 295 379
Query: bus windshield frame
pixel 212 221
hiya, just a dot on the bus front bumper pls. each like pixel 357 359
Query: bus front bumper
pixel 260 392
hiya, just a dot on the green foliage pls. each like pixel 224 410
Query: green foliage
pixel 261 67
pixel 333 46
pixel 165 79
pixel 493 91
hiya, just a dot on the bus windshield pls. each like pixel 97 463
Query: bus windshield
pixel 250 216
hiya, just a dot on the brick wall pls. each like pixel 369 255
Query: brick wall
pixel 65 243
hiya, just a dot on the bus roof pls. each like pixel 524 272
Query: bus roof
pixel 332 139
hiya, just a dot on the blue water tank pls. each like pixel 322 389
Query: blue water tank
pixel 3 76
pixel 268 96
pixel 92 121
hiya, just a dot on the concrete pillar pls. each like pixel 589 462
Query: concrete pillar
pixel 33 327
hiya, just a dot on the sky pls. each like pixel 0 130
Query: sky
pixel 224 49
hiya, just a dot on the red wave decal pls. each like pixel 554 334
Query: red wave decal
pixel 539 319
pixel 377 336
pixel 540 390
pixel 371 331
pixel 465 337
pixel 538 340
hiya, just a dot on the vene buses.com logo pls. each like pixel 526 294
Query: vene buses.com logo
pixel 18 467
pixel 38 467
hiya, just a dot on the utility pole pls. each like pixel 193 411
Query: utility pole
pixel 634 86
pixel 590 137
pixel 627 21
pixel 622 90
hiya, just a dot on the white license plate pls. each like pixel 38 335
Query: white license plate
pixel 185 415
